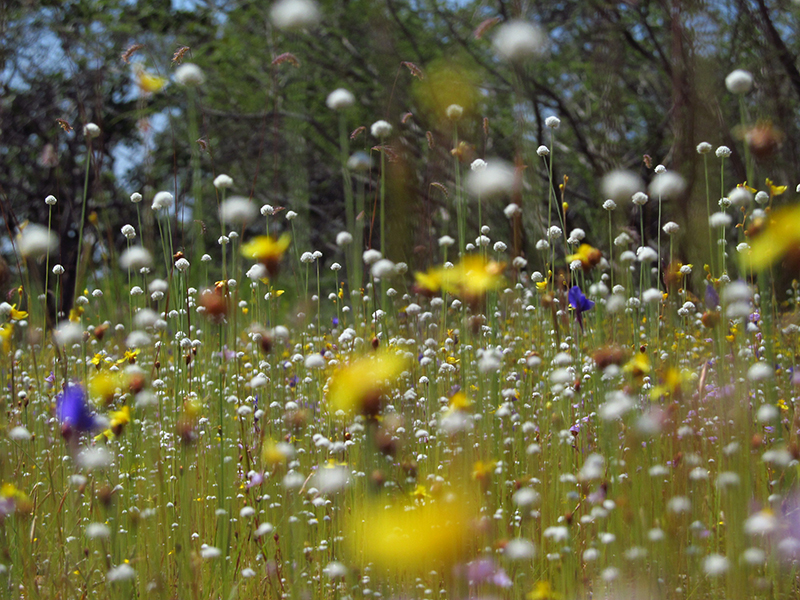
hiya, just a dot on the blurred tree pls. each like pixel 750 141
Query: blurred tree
pixel 627 79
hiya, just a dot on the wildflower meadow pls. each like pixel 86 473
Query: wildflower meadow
pixel 544 386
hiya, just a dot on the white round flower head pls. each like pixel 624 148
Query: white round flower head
pixel 762 197
pixel 667 185
pixel 724 202
pixel 760 371
pixel 576 235
pixel 446 241
pixel 382 269
pixel 5 309
pixel 237 211
pixel 723 152
pixel 454 112
pixel 163 200
pixel 50 200
pixel 646 254
pixel 335 570
pixel 660 169
pixel 651 296
pixel 256 272
pixel 315 361
pixel 267 210
pixel 306 258
pixel 495 180
pixel 639 198
pixel 136 197
pixel 135 258
pixel 336 267
pixel 206 258
pixel 519 262
pixel 67 333
pixel 291 215
pixel 686 270
pixel 294 14
pixel 621 185
pixel 739 81
pixel 223 181
pixel 519 549
pixel 715 565
pixel 740 196
pixel 371 256
pixel 35 241
pixel 381 129
pixel 340 99
pixel 478 164
pixel 182 264
pixel 554 232
pixel 552 122
pixel 542 245
pixel 58 270
pixel 91 130
pixel 704 148
pixel 189 75
pixel 671 228
pixel 719 219
pixel 343 238
pixel 520 40
pixel 123 572
pixel 543 150
pixel 609 205
pixel 359 161
pixel 128 231
pixel 511 210
pixel 19 434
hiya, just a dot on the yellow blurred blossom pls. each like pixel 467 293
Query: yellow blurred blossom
pixel 588 255
pixel 543 591
pixel 411 538
pixel 358 386
pixel 780 236
pixel 147 82
pixel 104 385
pixel 638 366
pixel 17 315
pixel 267 250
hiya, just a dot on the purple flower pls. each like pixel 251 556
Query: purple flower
pixel 711 298
pixel 580 303
pixel 73 410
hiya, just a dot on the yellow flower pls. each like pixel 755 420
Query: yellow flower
pixel 358 387
pixel 482 470
pixel 776 190
pixel 6 333
pixel 18 315
pixel 420 493
pixel 459 401
pixel 638 366
pixel 272 454
pixel 747 187
pixel 780 236
pixel 105 385
pixel 543 591
pixel 148 82
pixel 588 256
pixel 128 357
pixel 267 250
pixel 429 282
pixel 412 538
pixel 118 419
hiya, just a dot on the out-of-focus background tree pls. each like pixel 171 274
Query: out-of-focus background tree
pixel 627 79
